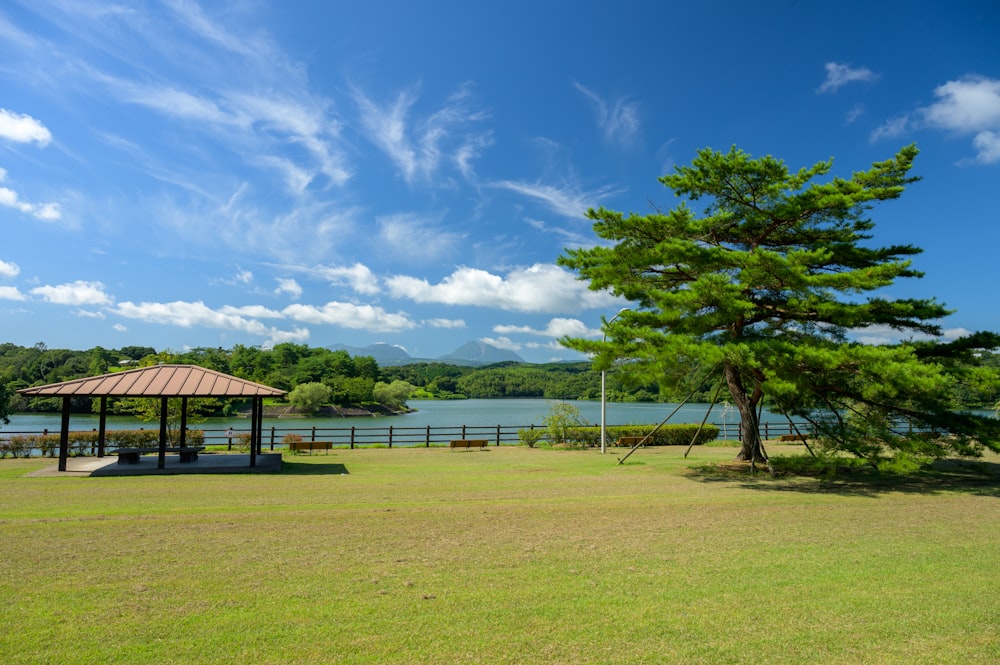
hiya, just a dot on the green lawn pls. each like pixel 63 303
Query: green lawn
pixel 513 555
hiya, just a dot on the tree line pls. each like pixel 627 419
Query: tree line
pixel 349 380
pixel 358 380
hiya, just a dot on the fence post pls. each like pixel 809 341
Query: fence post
pixel 427 440
pixel 463 432
pixel 352 437
pixel 272 437
pixel 313 434
pixel 390 436
pixel 498 436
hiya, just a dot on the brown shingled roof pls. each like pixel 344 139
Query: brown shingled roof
pixel 158 381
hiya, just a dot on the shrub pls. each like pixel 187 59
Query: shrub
pixel 530 437
pixel 289 439
pixel 667 435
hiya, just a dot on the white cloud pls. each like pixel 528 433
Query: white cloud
pixel 11 293
pixel 350 315
pixel 538 288
pixel 619 121
pixel 881 334
pixel 252 311
pixel 9 269
pixel 987 145
pixel 289 286
pixel 47 212
pixel 358 276
pixel 119 327
pixel 86 314
pixel 74 293
pixel 970 105
pixel 191 314
pixel 22 128
pixel 501 343
pixel 838 75
pixel 556 328
pixel 446 323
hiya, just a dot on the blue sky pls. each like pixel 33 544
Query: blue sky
pixel 179 173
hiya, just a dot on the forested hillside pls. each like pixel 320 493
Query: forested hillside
pixel 352 379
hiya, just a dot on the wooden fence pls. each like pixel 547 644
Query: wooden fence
pixel 391 436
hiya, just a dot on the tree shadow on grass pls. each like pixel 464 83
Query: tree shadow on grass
pixel 944 476
pixel 311 469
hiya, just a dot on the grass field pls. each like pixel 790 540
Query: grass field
pixel 512 555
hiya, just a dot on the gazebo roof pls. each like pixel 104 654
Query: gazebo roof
pixel 157 381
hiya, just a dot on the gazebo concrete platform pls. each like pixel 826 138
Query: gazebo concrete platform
pixel 206 463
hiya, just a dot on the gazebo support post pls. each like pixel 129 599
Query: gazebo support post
pixel 184 422
pixel 64 434
pixel 253 431
pixel 162 461
pixel 102 427
pixel 260 426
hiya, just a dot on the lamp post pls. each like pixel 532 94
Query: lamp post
pixel 604 379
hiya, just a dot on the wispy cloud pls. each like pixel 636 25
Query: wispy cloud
pixel 839 75
pixel 400 234
pixel 566 201
pixel 618 120
pixel 966 106
pixel 418 146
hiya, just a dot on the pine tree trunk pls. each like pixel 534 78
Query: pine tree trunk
pixel 749 421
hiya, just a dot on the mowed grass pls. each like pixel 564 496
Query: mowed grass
pixel 512 555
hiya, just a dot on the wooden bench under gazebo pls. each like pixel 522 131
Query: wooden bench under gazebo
pixel 161 382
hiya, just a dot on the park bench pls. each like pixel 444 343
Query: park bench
pixel 131 455
pixel 792 437
pixel 630 441
pixel 297 446
pixel 469 443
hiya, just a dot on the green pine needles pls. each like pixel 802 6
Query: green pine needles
pixel 766 283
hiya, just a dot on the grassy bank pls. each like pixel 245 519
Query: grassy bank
pixel 506 556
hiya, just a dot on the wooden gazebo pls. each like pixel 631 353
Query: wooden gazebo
pixel 157 382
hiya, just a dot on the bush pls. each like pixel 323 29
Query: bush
pixel 530 437
pixel 668 435
pixel 289 439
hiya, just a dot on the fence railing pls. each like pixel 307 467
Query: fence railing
pixel 390 436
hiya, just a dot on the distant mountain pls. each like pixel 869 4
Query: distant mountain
pixel 472 354
pixel 480 353
pixel 384 354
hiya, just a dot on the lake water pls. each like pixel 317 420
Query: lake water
pixel 433 413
